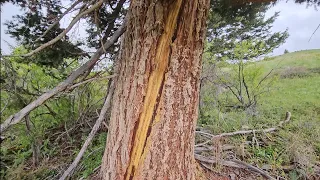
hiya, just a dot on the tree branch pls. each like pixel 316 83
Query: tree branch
pixel 314 32
pixel 61 35
pixel 253 168
pixel 264 78
pixel 94 130
pixel 114 14
pixel 58 20
pixel 211 160
pixel 237 96
pixel 14 119
pixel 232 163
pixel 91 79
pixel 246 87
pixel 288 116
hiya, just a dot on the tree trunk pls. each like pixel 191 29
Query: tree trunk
pixel 155 105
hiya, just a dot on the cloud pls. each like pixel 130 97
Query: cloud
pixel 7 11
pixel 301 22
pixel 298 18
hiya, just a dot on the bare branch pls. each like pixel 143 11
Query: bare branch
pixel 5 105
pixel 61 35
pixel 264 78
pixel 211 160
pixel 253 168
pixel 91 79
pixel 288 116
pixel 14 119
pixel 246 87
pixel 94 130
pixel 314 32
pixel 58 20
pixel 236 95
pixel 232 163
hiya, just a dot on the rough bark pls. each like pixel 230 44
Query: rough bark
pixel 155 105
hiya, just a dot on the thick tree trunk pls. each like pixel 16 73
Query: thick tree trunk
pixel 155 105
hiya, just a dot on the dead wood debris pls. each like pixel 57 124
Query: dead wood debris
pixel 235 163
pixel 288 116
pixel 94 130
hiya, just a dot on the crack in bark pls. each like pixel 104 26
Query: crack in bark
pixel 155 83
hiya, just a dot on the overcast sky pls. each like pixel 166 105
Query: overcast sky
pixel 300 20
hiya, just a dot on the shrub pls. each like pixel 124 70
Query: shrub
pixel 295 72
pixel 315 70
pixel 286 51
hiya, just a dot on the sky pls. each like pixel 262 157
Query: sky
pixel 300 20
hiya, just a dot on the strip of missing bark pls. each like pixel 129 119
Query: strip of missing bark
pixel 153 90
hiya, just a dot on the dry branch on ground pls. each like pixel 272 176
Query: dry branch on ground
pixel 94 130
pixel 288 116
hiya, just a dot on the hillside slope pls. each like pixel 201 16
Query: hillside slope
pixel 292 152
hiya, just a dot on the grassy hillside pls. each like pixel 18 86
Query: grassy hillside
pixel 295 88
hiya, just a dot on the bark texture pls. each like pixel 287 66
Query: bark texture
pixel 155 105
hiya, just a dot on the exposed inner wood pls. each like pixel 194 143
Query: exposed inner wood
pixel 154 112
pixel 154 85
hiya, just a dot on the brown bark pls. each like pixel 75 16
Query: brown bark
pixel 155 105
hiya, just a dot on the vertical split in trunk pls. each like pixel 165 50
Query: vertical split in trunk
pixel 155 105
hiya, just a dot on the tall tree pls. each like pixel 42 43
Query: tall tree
pixel 230 24
pixel 39 24
pixel 30 27
pixel 154 113
pixel 151 131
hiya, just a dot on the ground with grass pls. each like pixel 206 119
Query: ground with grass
pixel 293 152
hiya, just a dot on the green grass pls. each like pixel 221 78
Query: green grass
pixel 307 58
pixel 297 90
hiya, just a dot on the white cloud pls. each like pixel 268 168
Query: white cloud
pixel 301 22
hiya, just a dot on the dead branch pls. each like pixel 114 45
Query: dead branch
pixel 58 20
pixel 264 78
pixel 34 145
pixel 225 147
pixel 202 144
pixel 61 35
pixel 14 119
pixel 212 160
pixel 95 128
pixel 253 168
pixel 232 163
pixel 91 79
pixel 288 116
pixel 5 105
pixel 314 32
